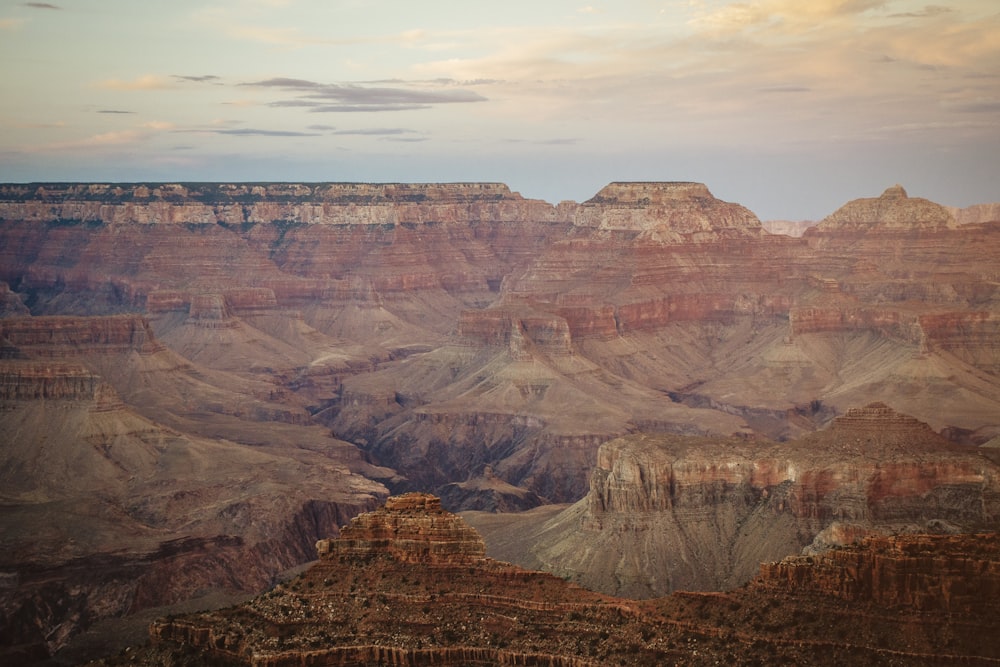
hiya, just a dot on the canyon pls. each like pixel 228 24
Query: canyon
pixel 409 584
pixel 198 381
pixel 666 513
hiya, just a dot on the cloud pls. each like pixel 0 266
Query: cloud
pixel 114 111
pixel 158 125
pixel 321 128
pixel 783 15
pixel 929 10
pixel 97 141
pixel 784 89
pixel 144 82
pixel 366 108
pixel 204 78
pixel 254 132
pixel 376 131
pixel 334 98
pixel 41 5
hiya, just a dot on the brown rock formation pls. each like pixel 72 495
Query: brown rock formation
pixel 669 513
pixel 380 606
pixel 897 572
pixel 451 329
pixel 892 210
pixel 411 528
pixel 646 302
pixel 793 228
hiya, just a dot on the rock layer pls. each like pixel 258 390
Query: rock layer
pixel 669 513
pixel 380 606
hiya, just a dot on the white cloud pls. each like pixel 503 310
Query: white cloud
pixel 144 82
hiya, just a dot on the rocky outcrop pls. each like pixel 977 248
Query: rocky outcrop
pixel 666 212
pixel 977 213
pixel 22 380
pixel 238 204
pixel 377 608
pixel 59 336
pixel 897 571
pixel 670 513
pixel 411 528
pixel 894 209
pixel 793 228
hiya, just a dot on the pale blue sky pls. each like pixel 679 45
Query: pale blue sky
pixel 789 107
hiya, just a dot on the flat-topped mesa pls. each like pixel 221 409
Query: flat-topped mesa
pixel 411 528
pixel 892 211
pixel 250 203
pixel 668 211
pixel 219 193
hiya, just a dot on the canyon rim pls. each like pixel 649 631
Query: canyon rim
pixel 201 380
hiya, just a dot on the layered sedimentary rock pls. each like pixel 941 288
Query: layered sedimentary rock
pixel 670 513
pixel 379 605
pixel 393 312
pixel 907 571
pixel 109 511
pixel 482 344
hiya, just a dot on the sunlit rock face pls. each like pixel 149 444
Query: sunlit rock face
pixel 462 339
pixel 669 513
pixel 369 601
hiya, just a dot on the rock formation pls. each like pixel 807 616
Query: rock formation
pixel 894 209
pixel 109 512
pixel 369 600
pixel 669 513
pixel 793 228
pixel 463 339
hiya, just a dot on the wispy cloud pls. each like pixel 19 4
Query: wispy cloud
pixel 255 132
pixel 328 97
pixel 929 10
pixel 247 132
pixel 376 131
pixel 96 141
pixel 204 78
pixel 144 82
pixel 41 5
pixel 114 111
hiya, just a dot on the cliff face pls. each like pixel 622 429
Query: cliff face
pixel 900 571
pixel 670 513
pixel 386 311
pixel 109 512
pixel 451 329
pixel 894 209
pixel 378 605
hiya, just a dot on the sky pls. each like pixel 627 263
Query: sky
pixel 789 107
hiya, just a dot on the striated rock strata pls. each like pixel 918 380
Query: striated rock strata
pixel 669 513
pixel 379 606
pixel 398 314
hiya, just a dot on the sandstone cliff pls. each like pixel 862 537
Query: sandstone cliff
pixel 892 209
pixel 447 330
pixel 408 585
pixel 109 512
pixel 669 513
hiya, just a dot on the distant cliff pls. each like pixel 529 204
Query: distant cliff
pixel 669 513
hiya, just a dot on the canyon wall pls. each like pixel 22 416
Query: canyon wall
pixel 459 337
pixel 669 513
pixel 368 601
